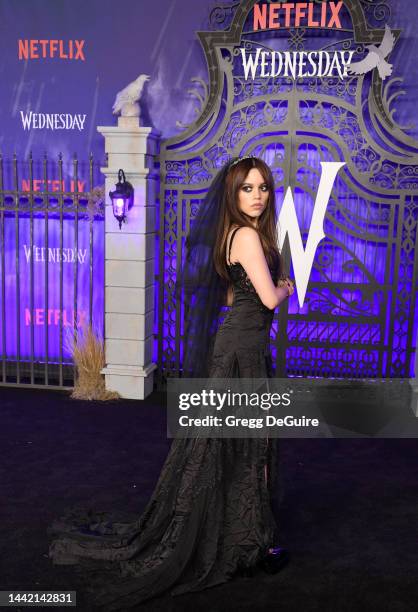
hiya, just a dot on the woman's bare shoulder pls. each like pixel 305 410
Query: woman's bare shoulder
pixel 242 235
pixel 244 240
pixel 242 230
pixel 246 235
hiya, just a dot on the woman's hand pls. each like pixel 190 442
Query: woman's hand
pixel 287 284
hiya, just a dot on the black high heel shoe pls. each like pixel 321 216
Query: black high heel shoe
pixel 275 560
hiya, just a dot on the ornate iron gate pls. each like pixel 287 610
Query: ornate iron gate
pixel 359 317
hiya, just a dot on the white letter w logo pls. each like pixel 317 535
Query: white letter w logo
pixel 302 260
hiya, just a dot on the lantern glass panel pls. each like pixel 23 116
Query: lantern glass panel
pixel 119 207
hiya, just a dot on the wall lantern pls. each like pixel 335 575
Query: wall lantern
pixel 122 198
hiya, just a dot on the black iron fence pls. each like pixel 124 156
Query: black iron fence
pixel 51 265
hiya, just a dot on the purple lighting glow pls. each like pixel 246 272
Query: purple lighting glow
pixel 119 207
pixel 35 262
pixel 122 198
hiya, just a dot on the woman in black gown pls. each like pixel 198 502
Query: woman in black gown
pixel 211 511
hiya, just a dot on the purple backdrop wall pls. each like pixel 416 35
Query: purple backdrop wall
pixel 121 40
pixel 72 57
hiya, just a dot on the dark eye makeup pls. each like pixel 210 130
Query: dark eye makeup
pixel 247 187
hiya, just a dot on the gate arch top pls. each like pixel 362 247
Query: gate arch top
pixel 212 41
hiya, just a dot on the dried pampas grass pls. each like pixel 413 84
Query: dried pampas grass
pixel 89 360
pixel 96 202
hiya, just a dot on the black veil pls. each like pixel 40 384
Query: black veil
pixel 201 288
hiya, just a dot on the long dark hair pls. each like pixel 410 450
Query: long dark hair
pixel 203 281
pixel 230 215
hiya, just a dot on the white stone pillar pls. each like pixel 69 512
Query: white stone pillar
pixel 129 260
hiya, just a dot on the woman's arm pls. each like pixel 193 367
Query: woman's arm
pixel 249 252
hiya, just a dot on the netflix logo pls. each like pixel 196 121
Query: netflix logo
pixel 53 185
pixel 52 316
pixel 45 48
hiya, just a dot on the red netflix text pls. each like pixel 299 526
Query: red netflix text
pixel 45 48
pixel 297 14
pixel 53 185
pixel 53 316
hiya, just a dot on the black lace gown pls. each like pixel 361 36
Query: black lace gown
pixel 211 510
